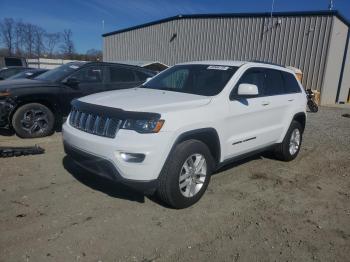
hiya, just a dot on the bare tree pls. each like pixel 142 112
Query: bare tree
pixel 67 46
pixel 39 44
pixel 19 38
pixel 28 39
pixel 7 31
pixel 52 40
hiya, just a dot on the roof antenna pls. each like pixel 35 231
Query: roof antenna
pixel 331 5
pixel 272 9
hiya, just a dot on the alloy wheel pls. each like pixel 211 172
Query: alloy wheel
pixel 192 175
pixel 35 121
pixel 294 142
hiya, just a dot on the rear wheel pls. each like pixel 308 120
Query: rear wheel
pixel 186 175
pixel 33 120
pixel 290 147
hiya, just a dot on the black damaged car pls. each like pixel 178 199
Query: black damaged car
pixel 35 107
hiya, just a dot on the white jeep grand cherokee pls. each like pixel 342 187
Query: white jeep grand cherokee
pixel 170 134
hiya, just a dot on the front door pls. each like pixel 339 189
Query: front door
pixel 89 80
pixel 252 122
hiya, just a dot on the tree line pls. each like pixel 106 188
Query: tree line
pixel 32 41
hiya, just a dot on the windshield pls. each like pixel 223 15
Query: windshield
pixel 205 80
pixel 6 73
pixel 24 74
pixel 59 72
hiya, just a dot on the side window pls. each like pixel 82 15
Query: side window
pixel 92 74
pixel 290 83
pixel 274 83
pixel 255 77
pixel 120 74
pixel 177 79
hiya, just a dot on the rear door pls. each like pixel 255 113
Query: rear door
pixel 122 77
pixel 279 102
pixel 291 96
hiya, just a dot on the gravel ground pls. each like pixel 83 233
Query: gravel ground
pixel 259 209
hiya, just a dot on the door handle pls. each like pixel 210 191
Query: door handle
pixel 265 103
pixel 291 100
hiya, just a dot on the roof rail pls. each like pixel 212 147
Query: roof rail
pixel 263 62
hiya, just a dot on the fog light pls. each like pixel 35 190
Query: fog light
pixel 132 157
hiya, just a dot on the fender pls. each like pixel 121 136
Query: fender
pixel 208 136
pixel 48 101
pixel 300 117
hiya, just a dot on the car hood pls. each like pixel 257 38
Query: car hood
pixel 22 83
pixel 147 100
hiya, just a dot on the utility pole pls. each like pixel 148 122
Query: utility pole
pixel 271 16
pixel 331 5
pixel 272 8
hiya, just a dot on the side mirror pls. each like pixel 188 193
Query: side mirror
pixel 72 82
pixel 247 90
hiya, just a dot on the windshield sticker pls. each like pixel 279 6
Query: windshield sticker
pixel 218 67
pixel 74 66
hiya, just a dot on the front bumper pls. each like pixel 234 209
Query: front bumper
pixel 155 147
pixel 6 107
pixel 106 169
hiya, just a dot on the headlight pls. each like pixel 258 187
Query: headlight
pixel 143 126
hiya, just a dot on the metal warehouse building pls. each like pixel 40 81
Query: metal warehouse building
pixel 315 42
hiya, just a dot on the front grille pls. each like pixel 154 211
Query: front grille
pixel 94 124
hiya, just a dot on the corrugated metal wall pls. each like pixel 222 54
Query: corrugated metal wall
pixel 300 41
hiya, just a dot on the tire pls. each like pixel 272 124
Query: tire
pixel 169 182
pixel 283 151
pixel 33 120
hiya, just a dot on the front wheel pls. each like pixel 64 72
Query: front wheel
pixel 186 174
pixel 33 120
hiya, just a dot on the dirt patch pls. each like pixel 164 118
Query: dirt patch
pixel 258 210
pixel 259 176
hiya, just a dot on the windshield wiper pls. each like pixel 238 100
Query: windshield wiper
pixel 162 88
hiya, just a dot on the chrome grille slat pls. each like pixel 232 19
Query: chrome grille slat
pixel 82 121
pixel 76 120
pixel 72 116
pixel 94 124
pixel 88 123
pixel 106 126
pixel 97 123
